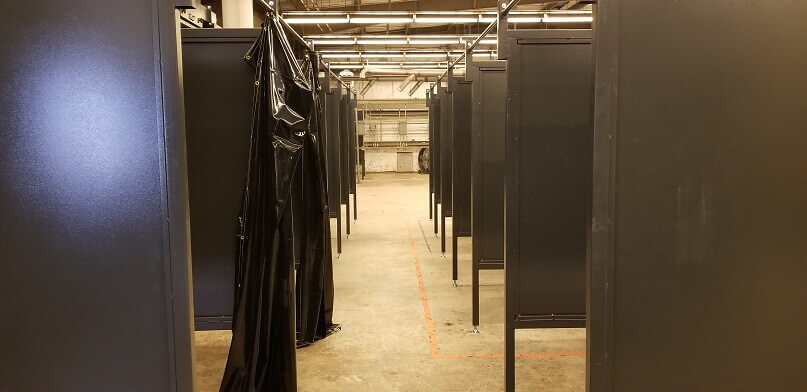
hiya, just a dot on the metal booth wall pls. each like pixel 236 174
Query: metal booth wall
pixel 344 153
pixel 698 263
pixel 95 291
pixel 431 153
pixel 446 118
pixel 333 156
pixel 548 166
pixel 218 110
pixel 353 150
pixel 487 170
pixel 434 154
pixel 461 167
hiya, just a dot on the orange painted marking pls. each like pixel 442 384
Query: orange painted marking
pixel 424 298
pixel 433 333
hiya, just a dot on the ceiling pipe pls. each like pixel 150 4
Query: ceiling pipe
pixel 405 82
pixel 415 87
pixel 369 71
pixel 367 86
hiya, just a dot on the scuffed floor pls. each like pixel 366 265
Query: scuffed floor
pixel 387 342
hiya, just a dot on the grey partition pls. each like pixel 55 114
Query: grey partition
pixel 460 167
pixel 434 156
pixel 323 118
pixel 487 170
pixel 344 161
pixel 548 154
pixel 446 118
pixel 95 280
pixel 333 151
pixel 353 151
pixel 700 222
pixel 431 153
pixel 218 87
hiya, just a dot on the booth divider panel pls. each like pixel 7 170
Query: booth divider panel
pixel 334 151
pixel 700 219
pixel 352 126
pixel 487 157
pixel 435 144
pixel 446 118
pixel 548 160
pixel 461 164
pixel 218 87
pixel 344 143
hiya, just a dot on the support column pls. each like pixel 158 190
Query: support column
pixel 237 13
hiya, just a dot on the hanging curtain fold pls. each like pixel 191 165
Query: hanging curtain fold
pixel 284 223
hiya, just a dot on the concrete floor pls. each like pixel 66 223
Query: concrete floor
pixel 390 279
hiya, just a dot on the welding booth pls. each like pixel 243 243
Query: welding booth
pixel 647 199
pixel 644 180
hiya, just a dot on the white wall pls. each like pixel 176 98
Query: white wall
pixel 388 89
pixel 385 159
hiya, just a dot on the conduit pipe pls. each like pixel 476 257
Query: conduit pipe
pixel 406 82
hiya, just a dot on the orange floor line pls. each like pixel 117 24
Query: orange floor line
pixel 424 298
pixel 433 332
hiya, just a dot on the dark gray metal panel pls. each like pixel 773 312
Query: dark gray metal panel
pixel 431 153
pixel 435 142
pixel 548 176
pixel 324 118
pixel 434 156
pixel 218 110
pixel 344 145
pixel 333 150
pixel 93 200
pixel 487 161
pixel 446 117
pixel 353 157
pixel 700 220
pixel 461 164
pixel 487 171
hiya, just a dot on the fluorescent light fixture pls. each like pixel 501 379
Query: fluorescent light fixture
pixel 381 55
pixel 334 42
pixel 424 66
pixel 381 42
pixel 398 40
pixel 568 19
pixel 293 20
pixel 427 55
pixel 385 66
pixel 445 19
pixel 435 17
pixel 434 41
pixel 345 66
pixel 339 56
pixel 523 19
pixel 371 20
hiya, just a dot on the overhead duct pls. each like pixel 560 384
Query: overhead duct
pixel 406 82
pixel 415 87
pixel 367 86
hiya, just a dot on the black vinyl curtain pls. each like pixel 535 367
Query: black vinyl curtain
pixel 284 221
